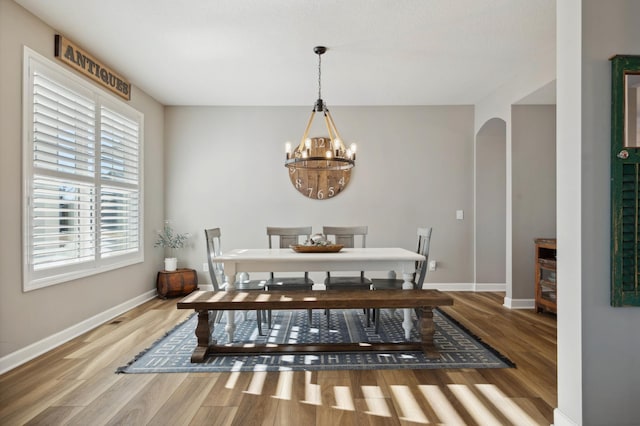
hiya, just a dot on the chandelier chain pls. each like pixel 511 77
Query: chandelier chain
pixel 328 153
pixel 319 75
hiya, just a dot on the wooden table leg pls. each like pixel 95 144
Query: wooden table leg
pixel 427 330
pixel 203 335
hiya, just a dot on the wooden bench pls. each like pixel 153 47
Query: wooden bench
pixel 205 301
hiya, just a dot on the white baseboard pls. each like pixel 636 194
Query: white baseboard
pixel 559 419
pixel 448 286
pixel 519 303
pixel 465 286
pixel 490 287
pixel 19 357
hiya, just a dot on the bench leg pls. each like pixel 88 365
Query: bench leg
pixel 427 330
pixel 203 336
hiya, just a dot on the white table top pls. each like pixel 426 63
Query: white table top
pixel 347 259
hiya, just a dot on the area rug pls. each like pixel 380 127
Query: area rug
pixel 458 347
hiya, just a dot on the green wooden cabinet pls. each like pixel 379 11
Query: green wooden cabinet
pixel 625 180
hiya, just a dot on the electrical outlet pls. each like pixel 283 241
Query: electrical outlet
pixel 460 214
pixel 205 267
pixel 433 265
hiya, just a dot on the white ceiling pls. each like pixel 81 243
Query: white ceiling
pixel 260 52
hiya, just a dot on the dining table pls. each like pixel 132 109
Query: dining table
pixel 399 260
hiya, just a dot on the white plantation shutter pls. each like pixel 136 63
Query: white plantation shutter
pixel 63 222
pixel 119 158
pixel 119 196
pixel 63 128
pixel 82 171
pixel 119 224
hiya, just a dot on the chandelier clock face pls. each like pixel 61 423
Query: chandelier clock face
pixel 317 182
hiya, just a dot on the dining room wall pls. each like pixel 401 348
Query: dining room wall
pixel 224 167
pixel 490 203
pixel 533 190
pixel 34 321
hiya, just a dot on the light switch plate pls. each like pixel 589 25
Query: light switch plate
pixel 460 214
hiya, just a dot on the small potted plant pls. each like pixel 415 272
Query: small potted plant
pixel 169 239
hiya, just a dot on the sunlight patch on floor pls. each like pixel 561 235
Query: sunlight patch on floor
pixel 509 408
pixel 443 408
pixel 257 382
pixel 409 408
pixel 285 385
pixel 233 378
pixel 474 406
pixel 344 400
pixel 312 392
pixel 376 402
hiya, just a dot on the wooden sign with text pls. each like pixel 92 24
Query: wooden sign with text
pixel 86 64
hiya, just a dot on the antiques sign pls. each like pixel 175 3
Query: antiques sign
pixel 86 64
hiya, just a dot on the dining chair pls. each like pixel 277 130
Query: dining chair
pixel 347 236
pixel 216 271
pixel 424 241
pixel 284 237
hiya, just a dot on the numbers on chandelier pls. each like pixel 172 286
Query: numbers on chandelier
pixel 320 194
pixel 318 184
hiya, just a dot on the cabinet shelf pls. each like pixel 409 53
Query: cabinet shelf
pixel 545 275
pixel 548 284
pixel 547 263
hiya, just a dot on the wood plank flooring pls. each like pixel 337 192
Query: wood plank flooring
pixel 76 384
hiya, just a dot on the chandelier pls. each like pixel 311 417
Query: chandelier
pixel 323 153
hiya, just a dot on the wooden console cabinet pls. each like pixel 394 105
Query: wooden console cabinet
pixel 546 285
pixel 176 283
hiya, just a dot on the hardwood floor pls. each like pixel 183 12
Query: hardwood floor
pixel 76 383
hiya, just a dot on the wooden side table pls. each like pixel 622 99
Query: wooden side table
pixel 176 283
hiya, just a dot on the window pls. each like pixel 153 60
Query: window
pixel 82 153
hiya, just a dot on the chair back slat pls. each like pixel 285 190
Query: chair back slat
pixel 346 235
pixel 424 241
pixel 214 250
pixel 287 237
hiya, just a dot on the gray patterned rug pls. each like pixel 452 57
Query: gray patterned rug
pixel 458 347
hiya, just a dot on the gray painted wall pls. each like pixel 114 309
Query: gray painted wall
pixel 610 336
pixel 226 168
pixel 26 318
pixel 534 188
pixel 491 207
